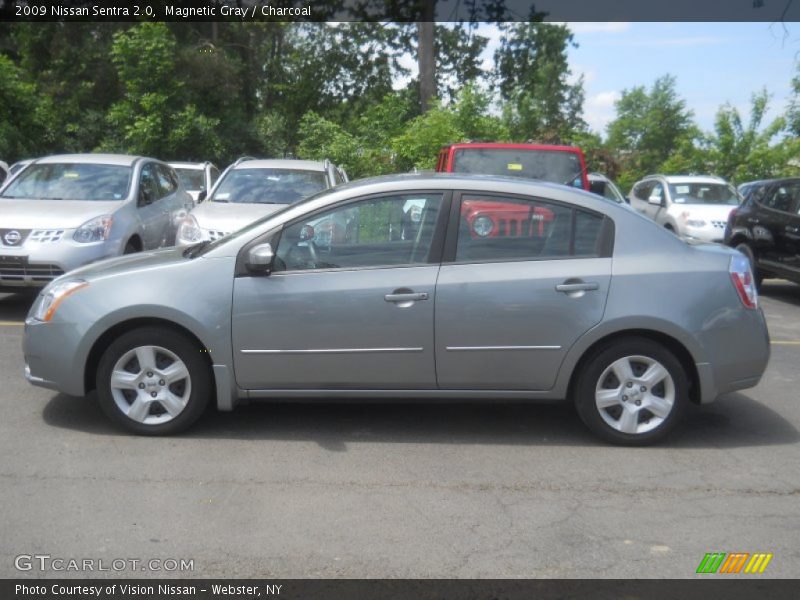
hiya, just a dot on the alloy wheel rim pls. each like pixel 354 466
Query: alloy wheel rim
pixel 150 385
pixel 635 394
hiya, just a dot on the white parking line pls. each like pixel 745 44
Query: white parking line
pixel 12 323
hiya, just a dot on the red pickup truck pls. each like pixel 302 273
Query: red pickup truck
pixel 558 164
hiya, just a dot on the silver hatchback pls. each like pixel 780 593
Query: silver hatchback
pixel 436 287
pixel 62 212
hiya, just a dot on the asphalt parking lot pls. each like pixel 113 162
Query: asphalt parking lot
pixel 316 490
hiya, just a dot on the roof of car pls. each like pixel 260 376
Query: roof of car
pixel 690 178
pixel 282 163
pixel 512 146
pixel 190 165
pixel 103 159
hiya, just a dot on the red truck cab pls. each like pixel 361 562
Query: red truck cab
pixel 556 164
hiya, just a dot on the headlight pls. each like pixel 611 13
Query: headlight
pixel 96 230
pixel 55 295
pixel 483 226
pixel 190 232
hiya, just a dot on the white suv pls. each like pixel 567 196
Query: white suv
pixel 695 207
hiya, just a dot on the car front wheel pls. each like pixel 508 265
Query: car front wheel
pixel 153 381
pixel 631 392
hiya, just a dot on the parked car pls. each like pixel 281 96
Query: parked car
pixel 602 186
pixel 250 189
pixel 266 313
pixel 62 212
pixel 547 162
pixel 766 228
pixel 197 178
pixel 695 207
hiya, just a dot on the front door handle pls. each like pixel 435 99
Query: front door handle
pixel 406 296
pixel 578 286
pixel 792 229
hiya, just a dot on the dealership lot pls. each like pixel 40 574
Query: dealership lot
pixel 400 490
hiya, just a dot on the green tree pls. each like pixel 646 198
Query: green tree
pixel 648 127
pixel 24 115
pixel 418 146
pixel 533 77
pixel 153 117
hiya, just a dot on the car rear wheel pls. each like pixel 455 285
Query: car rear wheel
pixel 153 381
pixel 631 392
pixel 748 252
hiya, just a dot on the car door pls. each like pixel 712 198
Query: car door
pixel 639 196
pixel 150 211
pixel 511 303
pixel 349 303
pixel 174 201
pixel 779 221
pixel 655 207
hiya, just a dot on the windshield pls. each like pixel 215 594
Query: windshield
pixel 703 193
pixel 556 166
pixel 268 186
pixel 71 181
pixel 192 179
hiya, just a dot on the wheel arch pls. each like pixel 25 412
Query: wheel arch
pixel 672 344
pixel 121 328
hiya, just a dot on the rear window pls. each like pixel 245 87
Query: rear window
pixel 192 179
pixel 557 166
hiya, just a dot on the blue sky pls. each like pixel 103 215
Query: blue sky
pixel 714 63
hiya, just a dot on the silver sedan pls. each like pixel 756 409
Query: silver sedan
pixel 436 287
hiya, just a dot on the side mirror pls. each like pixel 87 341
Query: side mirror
pixel 657 200
pixel 259 259
pixel 202 195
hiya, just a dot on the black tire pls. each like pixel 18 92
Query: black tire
pixel 198 379
pixel 130 248
pixel 748 252
pixel 589 381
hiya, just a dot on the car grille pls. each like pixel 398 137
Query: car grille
pixel 44 236
pixel 29 274
pixel 719 224
pixel 215 235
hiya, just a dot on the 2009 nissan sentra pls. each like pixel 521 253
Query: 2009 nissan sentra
pixel 380 290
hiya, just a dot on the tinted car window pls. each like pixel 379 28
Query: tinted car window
pixel 193 179
pixel 71 181
pixel 642 190
pixel 785 198
pixel 387 231
pixel 166 182
pixel 148 185
pixel 548 165
pixel 268 186
pixel 514 229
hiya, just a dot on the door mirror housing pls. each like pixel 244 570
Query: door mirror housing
pixel 201 195
pixel 259 259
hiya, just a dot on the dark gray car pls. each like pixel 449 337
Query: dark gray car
pixel 388 289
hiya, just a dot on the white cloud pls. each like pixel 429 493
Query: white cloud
pixel 598 110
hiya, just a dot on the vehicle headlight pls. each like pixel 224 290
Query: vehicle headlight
pixel 55 295
pixel 96 230
pixel 483 226
pixel 190 232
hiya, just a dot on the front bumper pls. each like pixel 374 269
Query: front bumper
pixel 35 264
pixel 52 356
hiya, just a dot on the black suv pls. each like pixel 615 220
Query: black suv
pixel 766 228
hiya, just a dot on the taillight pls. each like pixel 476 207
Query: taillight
pixel 743 281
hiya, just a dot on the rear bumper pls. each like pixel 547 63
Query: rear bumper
pixel 738 355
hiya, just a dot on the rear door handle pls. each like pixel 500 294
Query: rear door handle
pixel 406 297
pixel 583 286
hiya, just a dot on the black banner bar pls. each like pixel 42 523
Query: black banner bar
pixel 400 10
pixel 723 588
